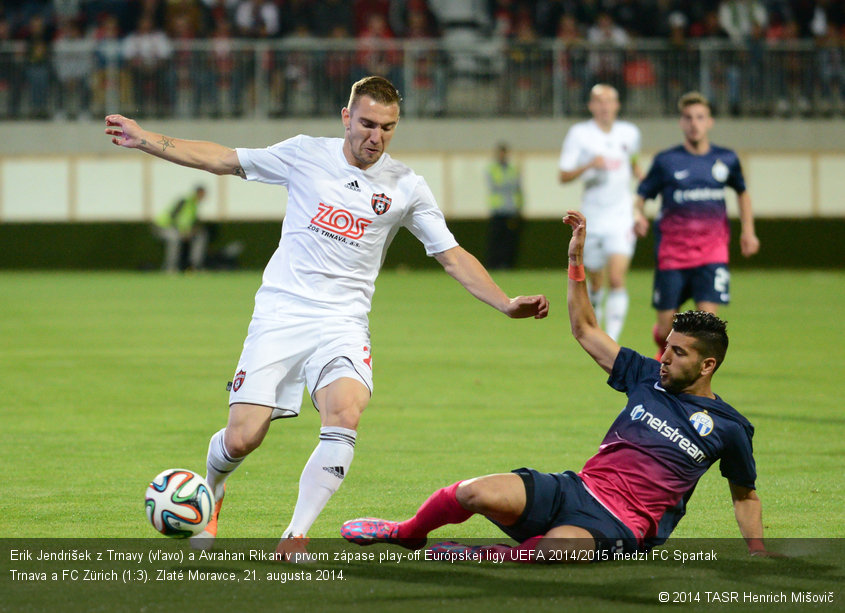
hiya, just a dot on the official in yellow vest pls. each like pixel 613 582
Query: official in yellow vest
pixel 180 229
pixel 505 201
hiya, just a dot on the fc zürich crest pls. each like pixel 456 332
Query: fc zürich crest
pixel 381 204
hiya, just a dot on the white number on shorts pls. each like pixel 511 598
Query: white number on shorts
pixel 723 277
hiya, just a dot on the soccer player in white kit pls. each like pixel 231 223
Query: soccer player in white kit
pixel 603 153
pixel 346 200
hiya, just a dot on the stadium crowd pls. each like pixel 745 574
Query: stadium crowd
pixel 772 19
pixel 46 45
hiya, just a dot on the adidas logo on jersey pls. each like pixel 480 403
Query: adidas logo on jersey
pixel 353 185
pixel 337 471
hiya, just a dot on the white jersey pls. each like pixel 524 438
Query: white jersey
pixel 339 222
pixel 607 201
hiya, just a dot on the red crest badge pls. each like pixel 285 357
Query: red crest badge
pixel 381 203
pixel 239 380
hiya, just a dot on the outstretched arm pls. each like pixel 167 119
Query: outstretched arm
pixel 469 272
pixel 582 318
pixel 204 155
pixel 748 511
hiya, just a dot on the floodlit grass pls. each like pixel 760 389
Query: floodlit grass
pixel 110 378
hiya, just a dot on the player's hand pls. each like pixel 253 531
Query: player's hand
pixel 125 132
pixel 599 163
pixel 749 244
pixel 640 224
pixel 579 233
pixel 527 306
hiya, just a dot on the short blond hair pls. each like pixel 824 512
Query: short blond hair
pixel 690 98
pixel 378 88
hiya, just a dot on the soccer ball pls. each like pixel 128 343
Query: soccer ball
pixel 179 503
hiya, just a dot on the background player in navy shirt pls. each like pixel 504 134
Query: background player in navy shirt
pixel 691 231
pixel 631 494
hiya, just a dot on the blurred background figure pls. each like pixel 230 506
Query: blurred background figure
pixel 745 22
pixel 37 71
pixel 505 200
pixel 11 71
pixel 465 27
pixel 414 21
pixel 189 72
pixel 148 52
pixel 74 67
pixel 525 88
pixel 185 238
pixel 255 19
pixel 602 152
pixel 570 59
pixel 377 54
pixel 605 61
pixel 112 86
pixel 226 79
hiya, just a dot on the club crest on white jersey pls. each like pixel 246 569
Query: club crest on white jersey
pixel 239 380
pixel 381 203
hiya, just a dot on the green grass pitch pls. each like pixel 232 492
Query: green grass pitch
pixel 110 378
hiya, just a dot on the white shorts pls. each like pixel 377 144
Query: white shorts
pixel 599 246
pixel 281 357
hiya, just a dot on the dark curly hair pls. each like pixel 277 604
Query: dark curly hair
pixel 709 331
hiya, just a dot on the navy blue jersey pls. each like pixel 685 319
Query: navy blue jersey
pixel 692 226
pixel 659 446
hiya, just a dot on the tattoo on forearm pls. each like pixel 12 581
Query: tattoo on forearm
pixel 239 172
pixel 165 143
pixel 143 141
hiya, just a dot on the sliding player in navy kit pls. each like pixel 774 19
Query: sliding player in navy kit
pixel 631 494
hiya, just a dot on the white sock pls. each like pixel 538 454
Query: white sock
pixel 617 309
pixel 597 300
pixel 321 477
pixel 220 464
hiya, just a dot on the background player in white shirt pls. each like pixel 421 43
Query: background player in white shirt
pixel 347 199
pixel 603 152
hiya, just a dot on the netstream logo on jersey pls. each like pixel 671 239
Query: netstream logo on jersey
pixel 340 221
pixel 699 194
pixel 662 427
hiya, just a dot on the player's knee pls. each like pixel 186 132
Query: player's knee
pixel 246 428
pixel 241 441
pixel 345 416
pixel 342 402
pixel 472 496
pixel 346 419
